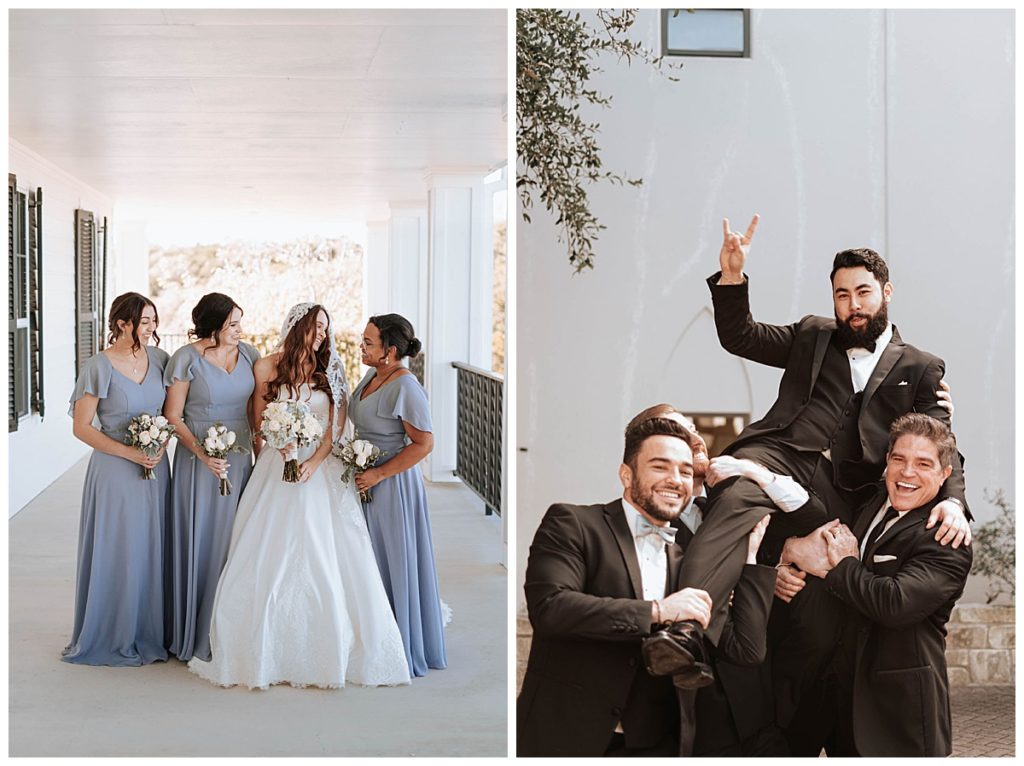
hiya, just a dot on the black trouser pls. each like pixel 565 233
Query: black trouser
pixel 824 720
pixel 714 559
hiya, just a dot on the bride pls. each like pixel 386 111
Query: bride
pixel 300 600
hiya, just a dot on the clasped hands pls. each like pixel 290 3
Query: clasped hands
pixel 820 551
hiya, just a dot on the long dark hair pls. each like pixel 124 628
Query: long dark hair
pixel 395 330
pixel 297 354
pixel 128 308
pixel 209 316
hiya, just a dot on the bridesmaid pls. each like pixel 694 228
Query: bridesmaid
pixel 122 574
pixel 208 381
pixel 389 409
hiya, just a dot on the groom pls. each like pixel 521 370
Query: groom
pixel 844 381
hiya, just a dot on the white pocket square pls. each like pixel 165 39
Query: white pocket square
pixel 903 383
pixel 879 559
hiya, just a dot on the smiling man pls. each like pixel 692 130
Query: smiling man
pixel 886 692
pixel 600 579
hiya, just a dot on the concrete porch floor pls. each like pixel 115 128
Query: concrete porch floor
pixel 58 709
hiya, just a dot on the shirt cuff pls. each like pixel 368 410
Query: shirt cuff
pixel 787 494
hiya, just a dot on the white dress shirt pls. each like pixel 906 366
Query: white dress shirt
pixel 863 362
pixel 650 552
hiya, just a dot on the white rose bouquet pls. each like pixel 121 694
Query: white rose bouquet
pixel 149 434
pixel 357 455
pixel 218 443
pixel 290 424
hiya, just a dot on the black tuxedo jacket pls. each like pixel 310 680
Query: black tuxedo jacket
pixel 585 672
pixel 904 380
pixel 899 600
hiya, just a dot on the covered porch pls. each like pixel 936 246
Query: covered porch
pixel 57 709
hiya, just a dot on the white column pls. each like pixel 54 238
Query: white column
pixel 376 268
pixel 407 228
pixel 458 243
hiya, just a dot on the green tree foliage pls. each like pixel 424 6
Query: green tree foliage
pixel 556 58
pixel 994 549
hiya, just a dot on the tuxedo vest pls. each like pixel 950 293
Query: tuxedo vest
pixel 829 419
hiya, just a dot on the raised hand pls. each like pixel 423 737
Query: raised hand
pixel 735 247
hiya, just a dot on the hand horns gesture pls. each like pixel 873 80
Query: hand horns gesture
pixel 735 247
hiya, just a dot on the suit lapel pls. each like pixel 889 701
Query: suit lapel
pixel 907 521
pixel 886 361
pixel 820 347
pixel 616 518
pixel 868 512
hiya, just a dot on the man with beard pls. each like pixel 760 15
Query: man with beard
pixel 845 381
pixel 600 578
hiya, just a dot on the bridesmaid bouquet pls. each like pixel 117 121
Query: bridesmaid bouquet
pixel 357 455
pixel 149 434
pixel 218 443
pixel 289 423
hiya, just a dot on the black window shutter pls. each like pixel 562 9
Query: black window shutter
pixel 35 300
pixel 86 322
pixel 12 388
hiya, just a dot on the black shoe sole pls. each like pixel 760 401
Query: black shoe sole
pixel 665 657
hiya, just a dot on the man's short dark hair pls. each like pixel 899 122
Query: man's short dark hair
pixel 640 430
pixel 861 256
pixel 919 424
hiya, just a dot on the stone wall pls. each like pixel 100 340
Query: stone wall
pixel 979 645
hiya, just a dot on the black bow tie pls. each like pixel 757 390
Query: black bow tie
pixel 869 346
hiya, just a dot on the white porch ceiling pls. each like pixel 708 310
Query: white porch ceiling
pixel 306 114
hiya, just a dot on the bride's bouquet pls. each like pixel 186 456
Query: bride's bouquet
pixel 149 434
pixel 292 424
pixel 218 443
pixel 357 455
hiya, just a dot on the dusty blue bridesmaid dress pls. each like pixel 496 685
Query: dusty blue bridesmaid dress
pixel 201 517
pixel 123 540
pixel 398 519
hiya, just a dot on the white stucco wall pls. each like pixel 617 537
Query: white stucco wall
pixel 891 130
pixel 43 448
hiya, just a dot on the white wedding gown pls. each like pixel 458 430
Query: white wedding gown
pixel 300 600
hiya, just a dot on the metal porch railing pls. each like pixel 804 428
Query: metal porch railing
pixel 479 451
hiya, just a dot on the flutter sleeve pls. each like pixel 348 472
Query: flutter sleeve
pixel 180 366
pixel 407 401
pixel 94 379
pixel 249 352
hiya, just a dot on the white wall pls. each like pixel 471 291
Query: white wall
pixel 891 130
pixel 43 448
